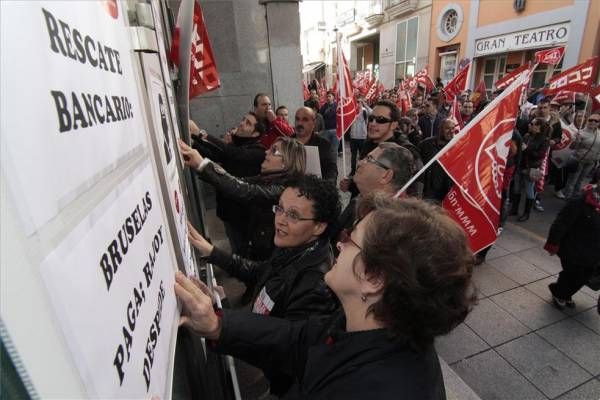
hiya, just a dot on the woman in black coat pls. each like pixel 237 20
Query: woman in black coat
pixel 535 147
pixel 575 237
pixel 285 161
pixel 403 277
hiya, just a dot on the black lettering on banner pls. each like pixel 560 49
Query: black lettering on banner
pixel 70 43
pixel 118 247
pixel 133 309
pixel 152 340
pixel 71 115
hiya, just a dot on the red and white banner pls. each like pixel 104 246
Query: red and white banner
pixel 305 91
pixel 347 107
pixel 423 78
pixel 550 56
pixel 458 84
pixel 373 92
pixel 561 151
pixel 204 76
pixel 478 95
pixel 404 101
pixel 509 78
pixel 539 185
pixel 480 232
pixel 564 96
pixel 578 78
pixel 475 159
pixel 455 116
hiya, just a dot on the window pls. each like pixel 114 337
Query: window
pixel 449 22
pixel 406 47
pixel 494 68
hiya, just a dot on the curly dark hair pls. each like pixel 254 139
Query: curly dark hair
pixel 426 266
pixel 394 110
pixel 325 198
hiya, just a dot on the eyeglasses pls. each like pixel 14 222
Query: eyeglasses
pixel 370 159
pixel 594 120
pixel 346 237
pixel 275 151
pixel 380 119
pixel 291 215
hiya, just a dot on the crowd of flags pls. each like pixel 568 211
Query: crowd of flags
pixel 475 158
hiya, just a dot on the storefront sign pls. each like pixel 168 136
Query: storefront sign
pixel 529 39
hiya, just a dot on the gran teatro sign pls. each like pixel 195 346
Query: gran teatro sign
pixel 545 36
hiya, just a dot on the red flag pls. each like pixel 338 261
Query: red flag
pixel 457 84
pixel 480 232
pixel 204 76
pixel 347 107
pixel 539 185
pixel 550 56
pixel 475 159
pixel 507 79
pixel 478 95
pixel 373 92
pixel 423 78
pixel 455 116
pixel 578 78
pixel 564 96
pixel 305 91
pixel 404 101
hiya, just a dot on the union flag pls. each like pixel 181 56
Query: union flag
pixel 347 107
pixel 457 84
pixel 507 79
pixel 550 56
pixel 578 78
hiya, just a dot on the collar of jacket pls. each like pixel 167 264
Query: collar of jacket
pixel 306 255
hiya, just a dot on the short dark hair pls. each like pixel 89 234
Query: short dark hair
pixel 260 126
pixel 394 110
pixel 331 92
pixel 545 100
pixel 280 108
pixel 258 96
pixel 325 198
pixel 312 103
pixel 400 160
pixel 423 258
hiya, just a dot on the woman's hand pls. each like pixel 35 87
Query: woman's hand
pixel 191 157
pixel 198 313
pixel 198 241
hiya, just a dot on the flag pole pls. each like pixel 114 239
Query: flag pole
pixel 462 132
pixel 341 77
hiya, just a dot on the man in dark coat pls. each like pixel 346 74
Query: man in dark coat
pixel 240 154
pixel 304 127
pixel 436 182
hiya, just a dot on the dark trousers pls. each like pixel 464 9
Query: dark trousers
pixel 356 146
pixel 570 279
pixel 237 240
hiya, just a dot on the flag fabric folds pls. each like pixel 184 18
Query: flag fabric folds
pixel 550 56
pixel 204 76
pixel 347 107
pixel 507 79
pixel 458 84
pixel 578 78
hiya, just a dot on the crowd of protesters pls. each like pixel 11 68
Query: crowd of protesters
pixel 362 292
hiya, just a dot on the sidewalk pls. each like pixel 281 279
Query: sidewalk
pixel 515 344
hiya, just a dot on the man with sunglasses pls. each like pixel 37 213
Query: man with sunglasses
pixel 382 123
pixel 305 133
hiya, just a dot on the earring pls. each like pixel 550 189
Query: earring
pixel 363 298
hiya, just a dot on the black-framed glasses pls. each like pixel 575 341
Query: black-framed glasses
pixel 380 119
pixel 346 237
pixel 370 159
pixel 291 215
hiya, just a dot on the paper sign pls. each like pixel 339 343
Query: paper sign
pixel 313 162
pixel 111 283
pixel 67 65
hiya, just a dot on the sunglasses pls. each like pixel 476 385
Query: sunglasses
pixel 291 215
pixel 346 237
pixel 370 159
pixel 380 119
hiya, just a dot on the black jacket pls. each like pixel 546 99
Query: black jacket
pixel 242 158
pixel 533 155
pixel 329 363
pixel 327 158
pixel 257 195
pixel 576 230
pixel 430 126
pixel 436 181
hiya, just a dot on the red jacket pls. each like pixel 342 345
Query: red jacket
pixel 279 127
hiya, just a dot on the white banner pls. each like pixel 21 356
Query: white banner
pixel 111 283
pixel 66 64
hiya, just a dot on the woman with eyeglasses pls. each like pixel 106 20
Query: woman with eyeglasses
pixel 587 154
pixel 289 284
pixel 535 146
pixel 284 161
pixel 403 277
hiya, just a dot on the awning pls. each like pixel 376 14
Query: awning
pixel 313 66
